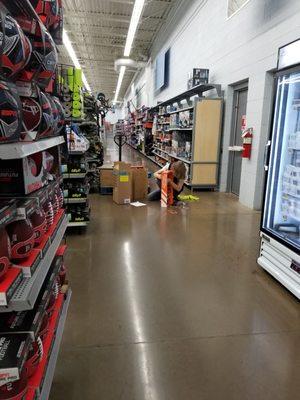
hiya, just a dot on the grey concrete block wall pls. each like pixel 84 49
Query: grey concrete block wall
pixel 236 49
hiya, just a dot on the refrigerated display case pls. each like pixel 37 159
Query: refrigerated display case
pixel 280 228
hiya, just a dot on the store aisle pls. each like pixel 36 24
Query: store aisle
pixel 173 307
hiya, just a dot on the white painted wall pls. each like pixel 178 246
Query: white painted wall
pixel 242 47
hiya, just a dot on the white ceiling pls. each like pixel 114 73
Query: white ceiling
pixel 98 30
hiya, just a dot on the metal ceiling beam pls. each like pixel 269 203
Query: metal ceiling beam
pixel 95 26
pixel 100 15
pixel 107 16
pixel 107 35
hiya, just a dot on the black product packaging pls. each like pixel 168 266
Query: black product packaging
pixel 13 353
pixel 22 322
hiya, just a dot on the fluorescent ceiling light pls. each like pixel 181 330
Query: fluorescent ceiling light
pixel 72 54
pixel 134 21
pixel 119 84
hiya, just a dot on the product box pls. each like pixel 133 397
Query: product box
pixel 139 183
pixel 22 322
pixel 122 183
pixel 36 381
pixel 167 198
pixel 47 288
pixel 106 175
pixel 29 266
pixel 184 119
pixel 201 73
pixel 13 353
pixel 192 82
pixel 10 283
pixel 7 211
pixel 28 174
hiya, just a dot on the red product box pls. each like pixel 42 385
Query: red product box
pixel 29 265
pixel 61 250
pixel 36 381
pixel 31 394
pixel 167 198
pixel 14 350
pixel 57 221
pixel 10 283
pixel 57 311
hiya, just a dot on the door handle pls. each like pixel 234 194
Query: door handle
pixel 235 148
pixel 266 155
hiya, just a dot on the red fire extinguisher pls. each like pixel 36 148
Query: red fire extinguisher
pixel 247 143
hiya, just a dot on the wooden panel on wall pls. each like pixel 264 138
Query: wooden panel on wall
pixel 207 130
pixel 204 174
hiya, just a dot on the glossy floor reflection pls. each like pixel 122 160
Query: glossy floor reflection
pixel 174 307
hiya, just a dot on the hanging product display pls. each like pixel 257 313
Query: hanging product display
pixel 10 113
pixel 34 292
pixel 32 118
pixel 47 10
pixel 16 46
pixel 70 90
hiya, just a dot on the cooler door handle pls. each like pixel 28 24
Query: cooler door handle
pixel 266 155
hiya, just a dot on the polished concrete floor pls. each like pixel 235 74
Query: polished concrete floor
pixel 172 306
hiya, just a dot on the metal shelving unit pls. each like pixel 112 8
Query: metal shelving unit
pixel 181 109
pixel 27 292
pixel 203 134
pixel 172 155
pixel 55 349
pixel 12 151
pixel 176 128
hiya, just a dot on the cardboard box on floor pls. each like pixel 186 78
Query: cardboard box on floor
pixel 106 175
pixel 139 183
pixel 122 183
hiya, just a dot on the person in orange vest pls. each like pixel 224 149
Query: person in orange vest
pixel 179 172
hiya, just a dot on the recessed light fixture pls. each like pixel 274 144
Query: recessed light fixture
pixel 72 54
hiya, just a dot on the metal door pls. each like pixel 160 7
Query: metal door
pixel 239 123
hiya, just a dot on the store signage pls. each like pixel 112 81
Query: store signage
pixel 289 55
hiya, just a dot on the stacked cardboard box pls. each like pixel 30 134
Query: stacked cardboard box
pixel 106 175
pixel 139 183
pixel 122 183
pixel 130 183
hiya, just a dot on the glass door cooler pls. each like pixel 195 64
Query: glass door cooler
pixel 280 228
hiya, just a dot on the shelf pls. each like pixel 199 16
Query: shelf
pixel 27 292
pixel 74 176
pixel 154 161
pixel 12 151
pixel 83 223
pixel 159 155
pixel 174 128
pixel 174 156
pixel 197 90
pixel 182 109
pixel 55 349
pixel 75 201
pixel 77 153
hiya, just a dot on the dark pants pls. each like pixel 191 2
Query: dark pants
pixel 154 195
